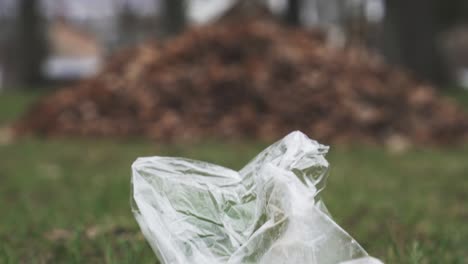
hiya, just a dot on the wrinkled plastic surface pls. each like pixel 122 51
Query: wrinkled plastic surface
pixel 268 212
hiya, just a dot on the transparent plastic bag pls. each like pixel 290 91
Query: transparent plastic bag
pixel 268 212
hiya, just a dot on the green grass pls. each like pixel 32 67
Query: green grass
pixel 13 104
pixel 67 201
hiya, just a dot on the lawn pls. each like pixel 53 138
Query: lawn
pixel 67 200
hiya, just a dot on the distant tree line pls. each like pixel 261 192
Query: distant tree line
pixel 410 33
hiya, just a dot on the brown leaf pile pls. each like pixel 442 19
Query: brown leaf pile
pixel 249 80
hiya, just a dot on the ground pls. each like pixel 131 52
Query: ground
pixel 67 200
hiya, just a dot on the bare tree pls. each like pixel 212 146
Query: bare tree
pixel 174 16
pixel 31 43
pixel 293 16
pixel 412 28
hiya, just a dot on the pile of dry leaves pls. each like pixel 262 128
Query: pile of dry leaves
pixel 253 79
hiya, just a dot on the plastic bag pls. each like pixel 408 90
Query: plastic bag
pixel 268 212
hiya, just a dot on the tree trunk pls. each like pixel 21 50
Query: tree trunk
pixel 31 43
pixel 293 14
pixel 174 16
pixel 412 28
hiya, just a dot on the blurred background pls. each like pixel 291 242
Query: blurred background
pixel 72 38
pixel 88 86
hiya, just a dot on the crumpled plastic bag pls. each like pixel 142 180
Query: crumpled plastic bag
pixel 268 212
